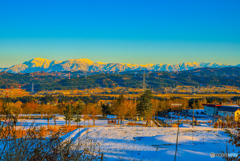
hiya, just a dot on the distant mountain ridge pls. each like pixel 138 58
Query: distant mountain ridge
pixel 41 64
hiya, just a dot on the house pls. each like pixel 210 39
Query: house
pixel 230 112
pixel 211 109
pixel 176 107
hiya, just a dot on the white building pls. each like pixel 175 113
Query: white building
pixel 211 109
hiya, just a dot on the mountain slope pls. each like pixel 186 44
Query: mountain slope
pixel 45 65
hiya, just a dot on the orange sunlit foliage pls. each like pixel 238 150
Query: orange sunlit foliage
pixel 6 132
pixel 68 128
pixel 1 106
pixel 93 110
pixel 30 107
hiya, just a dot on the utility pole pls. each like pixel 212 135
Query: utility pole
pixel 193 117
pixel 7 93
pixel 175 158
pixel 177 142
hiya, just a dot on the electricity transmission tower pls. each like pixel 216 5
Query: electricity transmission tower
pixel 32 87
pixel 144 82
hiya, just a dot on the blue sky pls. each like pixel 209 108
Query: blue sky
pixel 136 31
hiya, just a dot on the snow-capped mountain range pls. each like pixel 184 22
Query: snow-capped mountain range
pixel 40 64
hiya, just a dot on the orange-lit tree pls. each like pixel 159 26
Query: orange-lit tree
pixel 30 107
pixel 132 110
pixel 49 111
pixel 68 113
pixel 120 108
pixel 94 110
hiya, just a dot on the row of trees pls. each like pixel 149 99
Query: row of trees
pixel 72 111
pixel 75 109
pixel 123 108
pixel 145 107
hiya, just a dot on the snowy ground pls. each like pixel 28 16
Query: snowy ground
pixel 41 122
pixel 149 143
pixel 174 119
pixel 146 143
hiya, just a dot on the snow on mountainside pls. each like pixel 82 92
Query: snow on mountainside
pixel 2 69
pixel 40 64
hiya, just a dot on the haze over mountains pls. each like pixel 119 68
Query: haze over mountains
pixel 40 64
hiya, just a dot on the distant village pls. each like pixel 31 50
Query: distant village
pixel 203 90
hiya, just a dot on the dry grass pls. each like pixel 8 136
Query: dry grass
pixel 38 131
pixel 33 145
pixel 135 124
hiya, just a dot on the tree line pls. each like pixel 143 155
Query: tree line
pixel 86 108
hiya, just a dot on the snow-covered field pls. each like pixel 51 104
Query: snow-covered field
pixel 43 122
pixel 150 143
pixel 154 143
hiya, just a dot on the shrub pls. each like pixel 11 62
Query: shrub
pixel 32 145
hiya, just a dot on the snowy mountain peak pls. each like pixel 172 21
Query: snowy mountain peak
pixel 39 62
pixel 83 60
pixel 83 64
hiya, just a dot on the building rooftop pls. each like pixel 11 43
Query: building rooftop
pixel 229 108
pixel 212 105
pixel 220 105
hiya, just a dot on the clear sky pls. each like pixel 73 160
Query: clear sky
pixel 125 31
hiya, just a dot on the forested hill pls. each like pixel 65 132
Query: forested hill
pixel 157 80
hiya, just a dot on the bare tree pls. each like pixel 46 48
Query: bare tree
pixel 50 111
pixel 120 108
pixel 93 110
pixel 132 110
pixel 155 107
